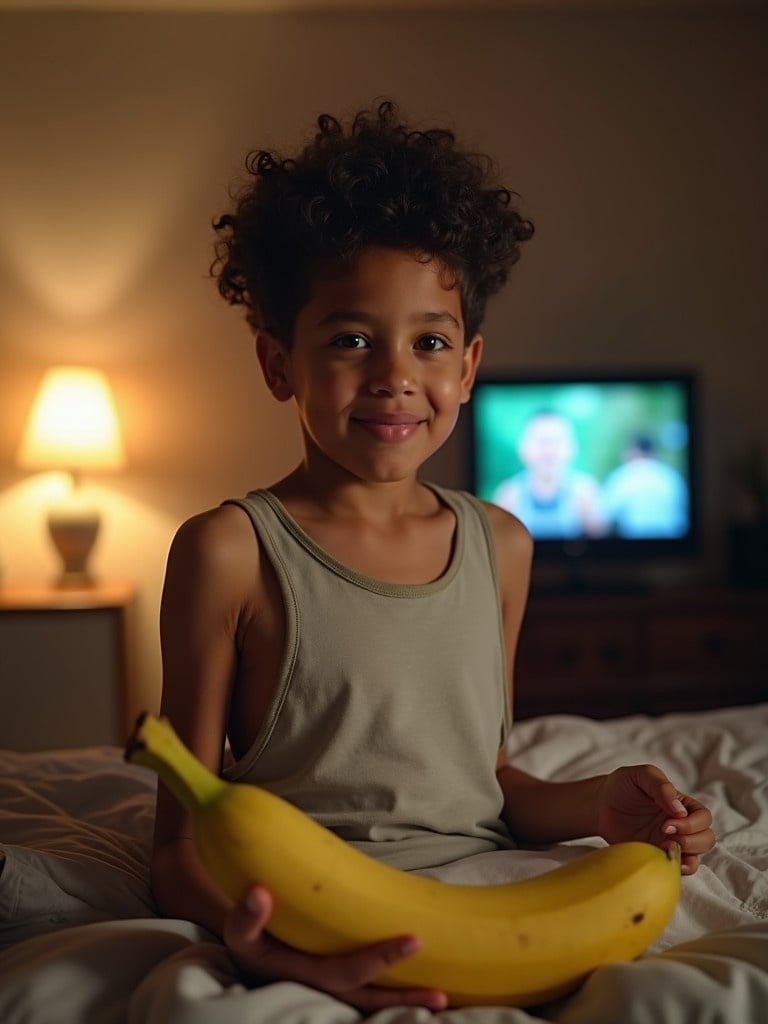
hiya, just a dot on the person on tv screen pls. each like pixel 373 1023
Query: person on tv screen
pixel 645 497
pixel 551 497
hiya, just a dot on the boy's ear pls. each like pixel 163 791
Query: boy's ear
pixel 274 360
pixel 471 362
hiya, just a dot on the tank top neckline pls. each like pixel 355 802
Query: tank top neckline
pixel 370 583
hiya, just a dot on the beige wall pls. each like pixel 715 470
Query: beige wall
pixel 636 140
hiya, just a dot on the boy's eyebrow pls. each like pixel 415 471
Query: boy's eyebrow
pixel 344 315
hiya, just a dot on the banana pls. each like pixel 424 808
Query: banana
pixel 517 944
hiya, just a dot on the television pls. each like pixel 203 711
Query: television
pixel 596 465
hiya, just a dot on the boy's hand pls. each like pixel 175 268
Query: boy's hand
pixel 349 977
pixel 639 802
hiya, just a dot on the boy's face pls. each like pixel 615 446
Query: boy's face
pixel 378 367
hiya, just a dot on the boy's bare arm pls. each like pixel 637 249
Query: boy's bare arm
pixel 540 812
pixel 536 811
pixel 634 802
pixel 514 553
pixel 202 596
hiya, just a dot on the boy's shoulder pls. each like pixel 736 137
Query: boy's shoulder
pixel 509 532
pixel 216 539
pixel 213 524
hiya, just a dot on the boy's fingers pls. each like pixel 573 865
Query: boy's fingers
pixel 671 799
pixel 688 864
pixel 246 921
pixel 347 975
pixel 350 971
pixel 696 822
pixel 655 784
pixel 692 843
pixel 350 976
pixel 698 842
pixel 372 998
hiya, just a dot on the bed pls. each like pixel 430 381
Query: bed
pixel 81 940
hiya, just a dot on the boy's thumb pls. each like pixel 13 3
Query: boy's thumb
pixel 247 919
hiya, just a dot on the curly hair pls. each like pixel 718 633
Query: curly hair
pixel 375 182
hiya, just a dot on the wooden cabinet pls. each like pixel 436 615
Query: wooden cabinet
pixel 606 655
pixel 62 666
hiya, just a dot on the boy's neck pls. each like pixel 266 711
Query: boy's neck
pixel 333 497
pixel 398 532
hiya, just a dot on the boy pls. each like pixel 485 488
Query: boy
pixel 352 630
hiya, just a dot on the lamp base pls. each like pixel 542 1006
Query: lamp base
pixel 73 534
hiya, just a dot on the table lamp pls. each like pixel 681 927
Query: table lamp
pixel 73 426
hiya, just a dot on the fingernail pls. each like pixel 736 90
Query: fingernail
pixel 678 807
pixel 670 830
pixel 409 946
pixel 252 902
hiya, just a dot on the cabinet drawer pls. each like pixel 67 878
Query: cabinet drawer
pixel 599 651
pixel 706 643
pixel 649 652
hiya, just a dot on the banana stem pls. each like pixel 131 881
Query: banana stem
pixel 155 745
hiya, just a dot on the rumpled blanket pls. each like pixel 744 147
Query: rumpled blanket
pixel 81 941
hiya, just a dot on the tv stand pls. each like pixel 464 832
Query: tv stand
pixel 578 584
pixel 606 652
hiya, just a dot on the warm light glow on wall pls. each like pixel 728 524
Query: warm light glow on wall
pixel 73 423
pixel 123 180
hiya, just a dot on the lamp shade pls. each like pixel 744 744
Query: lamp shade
pixel 73 424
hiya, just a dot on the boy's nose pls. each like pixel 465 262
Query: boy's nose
pixel 392 374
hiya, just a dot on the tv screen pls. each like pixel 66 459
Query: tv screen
pixel 592 463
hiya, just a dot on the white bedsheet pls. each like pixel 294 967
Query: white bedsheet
pixel 80 939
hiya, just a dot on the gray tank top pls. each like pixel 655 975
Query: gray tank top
pixel 391 703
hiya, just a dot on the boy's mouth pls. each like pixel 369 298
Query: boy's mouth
pixel 389 427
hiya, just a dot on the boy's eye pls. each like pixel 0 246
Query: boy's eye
pixel 431 343
pixel 350 341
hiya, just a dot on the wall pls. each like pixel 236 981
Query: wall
pixel 636 141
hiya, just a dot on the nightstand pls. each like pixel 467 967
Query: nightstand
pixel 63 666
